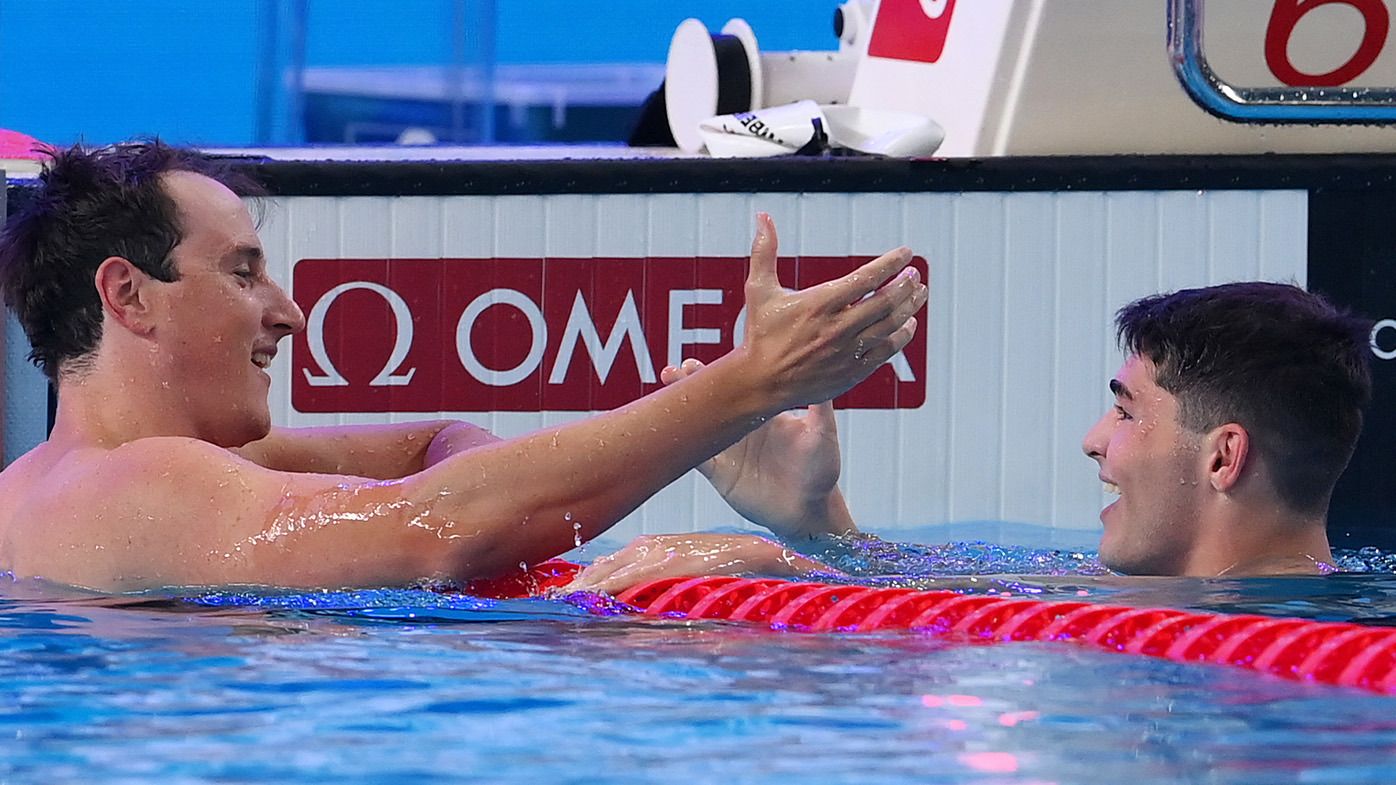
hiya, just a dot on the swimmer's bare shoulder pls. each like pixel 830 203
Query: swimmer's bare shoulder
pixel 78 515
pixel 173 511
pixel 27 480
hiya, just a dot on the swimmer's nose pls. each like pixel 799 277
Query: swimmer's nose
pixel 284 316
pixel 1096 438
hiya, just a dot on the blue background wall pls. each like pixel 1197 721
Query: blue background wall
pixel 188 70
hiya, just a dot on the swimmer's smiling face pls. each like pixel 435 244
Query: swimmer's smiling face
pixel 223 317
pixel 1153 463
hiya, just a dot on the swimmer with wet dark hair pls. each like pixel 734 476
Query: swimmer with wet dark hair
pixel 139 278
pixel 1236 410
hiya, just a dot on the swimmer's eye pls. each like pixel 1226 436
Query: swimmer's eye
pixel 244 273
pixel 1121 414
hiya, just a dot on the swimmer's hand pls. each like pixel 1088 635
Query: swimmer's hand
pixel 807 346
pixel 784 475
pixel 651 557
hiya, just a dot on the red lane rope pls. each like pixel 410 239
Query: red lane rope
pixel 1347 655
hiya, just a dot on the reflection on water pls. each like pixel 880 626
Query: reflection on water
pixel 413 685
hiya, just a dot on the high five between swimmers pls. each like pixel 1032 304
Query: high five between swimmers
pixel 139 278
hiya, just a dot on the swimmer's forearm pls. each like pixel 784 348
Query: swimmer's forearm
pixel 531 498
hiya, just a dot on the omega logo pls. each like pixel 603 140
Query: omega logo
pixel 580 328
pixel 315 328
pixel 486 334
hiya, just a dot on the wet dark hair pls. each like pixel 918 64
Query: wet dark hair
pixel 1281 362
pixel 91 204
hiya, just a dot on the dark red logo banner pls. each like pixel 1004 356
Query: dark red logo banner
pixel 582 334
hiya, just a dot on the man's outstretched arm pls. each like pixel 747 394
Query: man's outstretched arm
pixel 482 512
pixel 657 556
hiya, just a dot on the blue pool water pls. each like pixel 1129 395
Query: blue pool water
pixel 416 686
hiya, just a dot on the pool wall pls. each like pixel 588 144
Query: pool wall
pixel 523 294
pixel 1012 372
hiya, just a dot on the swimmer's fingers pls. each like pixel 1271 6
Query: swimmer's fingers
pixel 593 575
pixel 891 304
pixel 885 337
pixel 623 577
pixel 877 277
pixel 876 351
pixel 673 373
pixel 656 556
pixel 905 303
pixel 606 573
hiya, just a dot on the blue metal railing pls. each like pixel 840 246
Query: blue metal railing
pixel 1348 105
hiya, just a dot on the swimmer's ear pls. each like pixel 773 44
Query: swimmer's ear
pixel 125 294
pixel 1226 450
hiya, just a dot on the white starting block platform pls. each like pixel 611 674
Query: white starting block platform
pixel 1055 77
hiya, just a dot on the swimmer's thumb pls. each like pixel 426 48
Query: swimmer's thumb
pixel 763 253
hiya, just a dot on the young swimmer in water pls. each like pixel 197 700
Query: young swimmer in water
pixel 139 278
pixel 1234 414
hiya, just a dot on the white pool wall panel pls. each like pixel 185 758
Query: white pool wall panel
pixel 1024 287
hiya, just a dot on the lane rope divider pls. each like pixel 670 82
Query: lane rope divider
pixel 1336 653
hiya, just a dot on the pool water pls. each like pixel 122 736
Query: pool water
pixel 418 686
